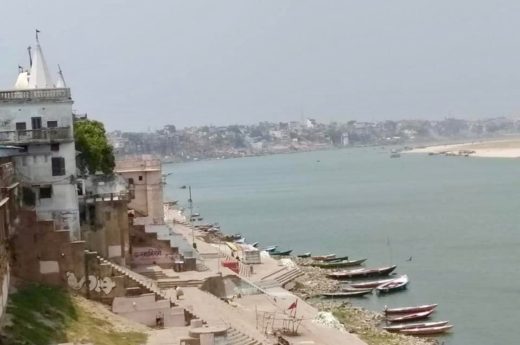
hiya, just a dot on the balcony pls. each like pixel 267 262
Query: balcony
pixel 35 95
pixel 7 176
pixel 36 136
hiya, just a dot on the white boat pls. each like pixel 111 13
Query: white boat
pixel 270 248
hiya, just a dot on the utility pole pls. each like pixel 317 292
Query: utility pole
pixel 190 201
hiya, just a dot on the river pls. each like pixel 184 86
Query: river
pixel 457 218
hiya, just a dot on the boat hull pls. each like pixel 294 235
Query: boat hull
pixel 410 317
pixel 398 328
pixel 346 294
pixel 427 330
pixel 408 310
pixel 282 253
pixel 339 264
pixel 362 273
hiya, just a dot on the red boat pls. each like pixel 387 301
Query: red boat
pixel 410 317
pixel 398 328
pixel 426 330
pixel 408 310
pixel 362 272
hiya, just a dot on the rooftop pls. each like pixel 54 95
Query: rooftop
pixel 35 95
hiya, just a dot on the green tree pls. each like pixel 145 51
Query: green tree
pixel 96 154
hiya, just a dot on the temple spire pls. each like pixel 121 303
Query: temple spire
pixel 39 77
pixel 60 82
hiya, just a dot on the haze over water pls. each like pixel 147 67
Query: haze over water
pixel 457 217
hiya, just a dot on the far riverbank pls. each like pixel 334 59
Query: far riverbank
pixel 497 148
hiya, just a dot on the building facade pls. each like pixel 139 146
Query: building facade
pixel 145 182
pixel 36 116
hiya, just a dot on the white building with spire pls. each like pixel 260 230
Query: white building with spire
pixel 36 116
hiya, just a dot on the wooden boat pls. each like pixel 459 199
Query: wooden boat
pixel 348 288
pixel 362 272
pixel 305 255
pixel 408 310
pixel 281 253
pixel 370 284
pixel 270 248
pixel 426 330
pixel 398 328
pixel 323 257
pixel 335 258
pixel 410 317
pixel 346 294
pixel 338 264
pixel 394 285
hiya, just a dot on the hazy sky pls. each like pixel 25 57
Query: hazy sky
pixel 143 64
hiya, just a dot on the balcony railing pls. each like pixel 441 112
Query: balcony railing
pixel 42 135
pixel 35 94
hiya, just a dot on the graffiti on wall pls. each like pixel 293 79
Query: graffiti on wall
pixel 151 255
pixel 97 284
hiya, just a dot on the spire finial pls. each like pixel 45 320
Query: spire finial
pixel 30 56
pixel 37 39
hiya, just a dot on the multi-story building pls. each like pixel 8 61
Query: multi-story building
pixel 36 116
pixel 145 182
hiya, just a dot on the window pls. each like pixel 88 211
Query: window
pixel 46 192
pixel 79 187
pixel 52 124
pixel 55 147
pixel 36 122
pixel 21 126
pixel 58 166
pixel 140 178
pixel 130 181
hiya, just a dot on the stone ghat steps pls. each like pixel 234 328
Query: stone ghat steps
pixel 234 337
pixel 288 276
pixel 172 283
pixel 155 275
pixel 144 282
pixel 266 284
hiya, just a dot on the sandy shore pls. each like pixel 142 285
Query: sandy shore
pixel 503 148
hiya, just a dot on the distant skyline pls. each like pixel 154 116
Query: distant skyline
pixel 142 65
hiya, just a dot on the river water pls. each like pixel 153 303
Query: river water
pixel 458 218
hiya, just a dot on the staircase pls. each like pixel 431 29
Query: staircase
pixel 234 337
pixel 207 304
pixel 155 274
pixel 289 276
pixel 280 278
pixel 169 283
pixel 141 280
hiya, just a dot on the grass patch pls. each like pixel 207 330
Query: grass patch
pixel 42 315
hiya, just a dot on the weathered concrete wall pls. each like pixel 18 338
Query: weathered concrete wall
pixel 106 230
pixel 43 254
pixel 141 243
pixel 146 310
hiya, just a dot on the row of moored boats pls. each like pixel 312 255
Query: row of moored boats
pixel 358 282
